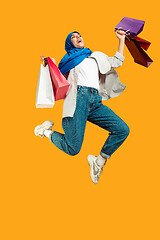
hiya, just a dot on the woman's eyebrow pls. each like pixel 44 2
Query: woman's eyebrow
pixel 76 35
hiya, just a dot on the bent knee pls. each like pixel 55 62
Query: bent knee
pixel 126 130
pixel 74 152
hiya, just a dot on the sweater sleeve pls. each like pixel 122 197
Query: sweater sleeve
pixel 116 61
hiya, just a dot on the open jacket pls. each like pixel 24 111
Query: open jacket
pixel 109 83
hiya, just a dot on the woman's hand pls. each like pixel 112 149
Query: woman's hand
pixel 120 34
pixel 42 58
pixel 45 60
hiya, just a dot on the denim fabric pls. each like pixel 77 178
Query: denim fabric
pixel 89 107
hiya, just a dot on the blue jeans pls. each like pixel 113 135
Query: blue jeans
pixel 89 107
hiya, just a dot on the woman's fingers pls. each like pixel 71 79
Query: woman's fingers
pixel 120 32
pixel 42 57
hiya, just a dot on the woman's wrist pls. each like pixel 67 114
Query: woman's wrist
pixel 121 40
pixel 121 45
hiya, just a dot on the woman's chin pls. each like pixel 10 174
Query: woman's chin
pixel 80 47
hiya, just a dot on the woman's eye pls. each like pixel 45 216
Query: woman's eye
pixel 76 36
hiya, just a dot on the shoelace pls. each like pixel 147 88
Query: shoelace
pixel 99 167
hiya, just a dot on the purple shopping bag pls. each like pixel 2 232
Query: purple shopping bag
pixel 134 26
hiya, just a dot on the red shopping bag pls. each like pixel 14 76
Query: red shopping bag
pixel 134 45
pixel 59 82
pixel 143 43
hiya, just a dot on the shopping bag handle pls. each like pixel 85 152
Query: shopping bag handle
pixel 127 32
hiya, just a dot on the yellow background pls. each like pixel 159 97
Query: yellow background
pixel 46 194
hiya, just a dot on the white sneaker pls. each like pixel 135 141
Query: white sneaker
pixel 95 168
pixel 39 130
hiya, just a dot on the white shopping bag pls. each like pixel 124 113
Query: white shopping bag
pixel 44 95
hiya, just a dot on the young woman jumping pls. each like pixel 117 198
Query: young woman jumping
pixel 92 78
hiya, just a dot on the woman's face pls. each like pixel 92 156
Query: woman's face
pixel 77 40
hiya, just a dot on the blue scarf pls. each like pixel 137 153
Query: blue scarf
pixel 73 57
